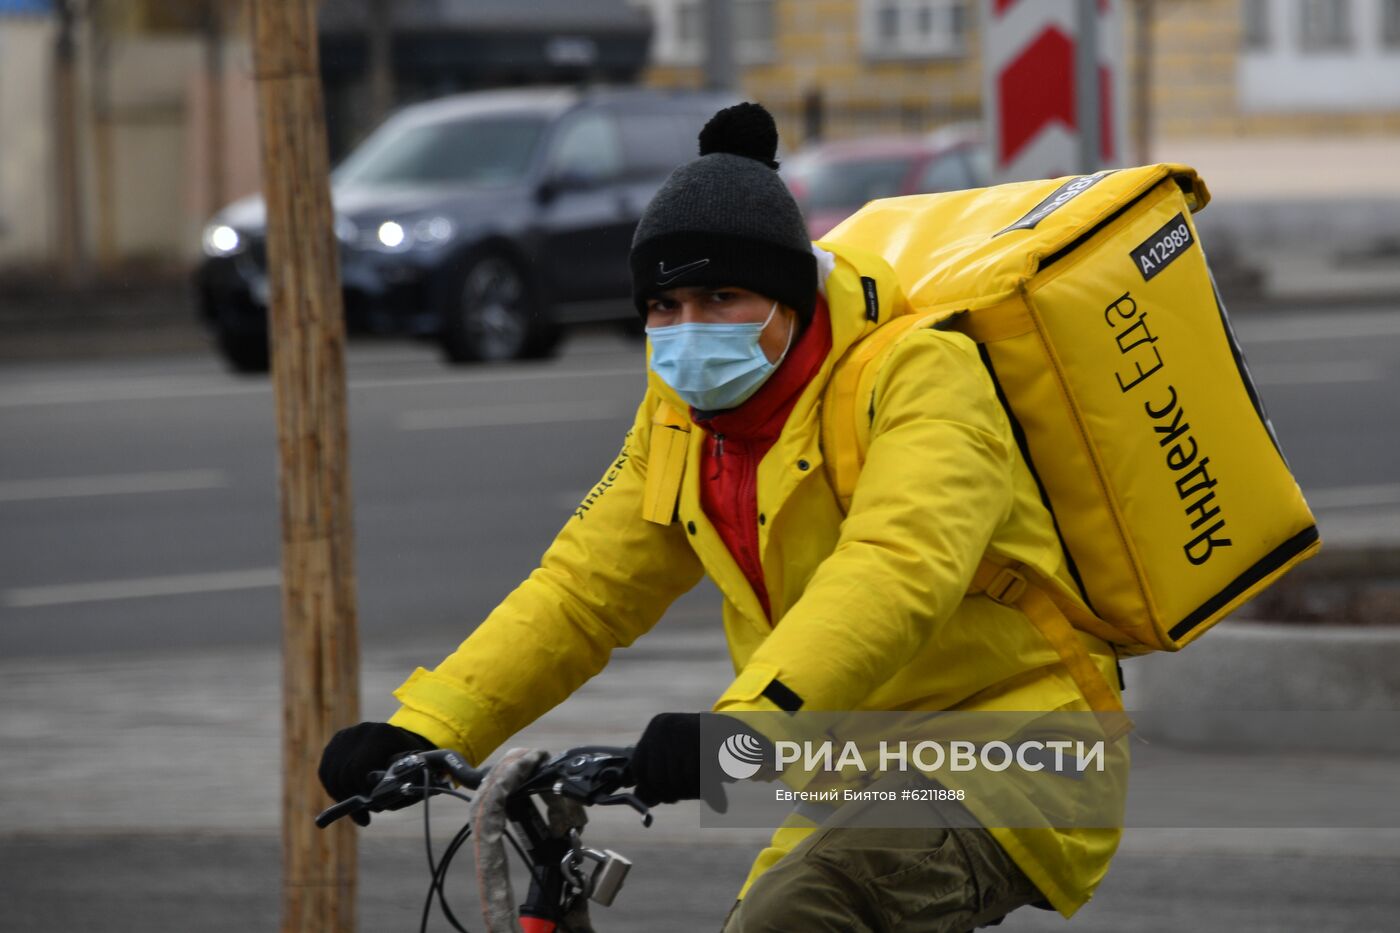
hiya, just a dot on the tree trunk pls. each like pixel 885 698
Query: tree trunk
pixel 320 645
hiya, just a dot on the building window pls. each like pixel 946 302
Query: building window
pixel 1257 31
pixel 1325 25
pixel 913 28
pixel 681 27
pixel 1390 24
pixel 754 29
pixel 690 28
pixel 887 21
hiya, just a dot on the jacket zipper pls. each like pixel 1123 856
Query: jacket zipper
pixel 748 493
pixel 748 483
pixel 719 455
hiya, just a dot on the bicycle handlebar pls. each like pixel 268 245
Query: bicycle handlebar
pixel 564 874
pixel 591 774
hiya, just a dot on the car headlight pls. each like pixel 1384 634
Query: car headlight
pixel 433 231
pixel 426 233
pixel 221 240
pixel 391 235
pixel 345 230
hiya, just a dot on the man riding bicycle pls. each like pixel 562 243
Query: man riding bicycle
pixel 829 606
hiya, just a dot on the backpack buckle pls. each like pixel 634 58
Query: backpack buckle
pixel 1006 587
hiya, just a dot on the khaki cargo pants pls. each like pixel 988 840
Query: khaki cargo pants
pixel 912 880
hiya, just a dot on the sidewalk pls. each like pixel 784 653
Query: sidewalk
pixel 141 793
pixel 111 319
pixel 190 743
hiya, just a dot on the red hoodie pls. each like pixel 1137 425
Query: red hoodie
pixel 738 439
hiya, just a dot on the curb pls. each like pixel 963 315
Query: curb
pixel 1272 668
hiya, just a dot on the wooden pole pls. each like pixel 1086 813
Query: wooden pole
pixel 306 324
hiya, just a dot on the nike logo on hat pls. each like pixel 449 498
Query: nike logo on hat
pixel 666 276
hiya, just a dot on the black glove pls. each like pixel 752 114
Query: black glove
pixel 666 763
pixel 353 753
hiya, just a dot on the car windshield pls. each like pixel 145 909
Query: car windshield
pixel 486 151
pixel 848 184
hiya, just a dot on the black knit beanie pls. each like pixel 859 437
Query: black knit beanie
pixel 727 219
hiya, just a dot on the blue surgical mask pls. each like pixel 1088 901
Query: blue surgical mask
pixel 713 367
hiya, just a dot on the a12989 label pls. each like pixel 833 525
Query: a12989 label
pixel 1163 247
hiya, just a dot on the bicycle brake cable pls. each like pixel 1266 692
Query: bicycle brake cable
pixel 438 869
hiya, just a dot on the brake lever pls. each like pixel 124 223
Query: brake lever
pixel 388 784
pixel 347 807
pixel 627 800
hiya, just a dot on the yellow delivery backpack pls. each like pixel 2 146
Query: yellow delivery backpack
pixel 1097 318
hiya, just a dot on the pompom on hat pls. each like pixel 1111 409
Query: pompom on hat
pixel 727 219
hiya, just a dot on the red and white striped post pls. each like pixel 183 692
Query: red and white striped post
pixel 1040 121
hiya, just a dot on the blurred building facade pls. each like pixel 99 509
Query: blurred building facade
pixel 1275 67
pixel 835 68
pixel 1284 86
pixel 431 48
pixel 132 119
pixel 160 118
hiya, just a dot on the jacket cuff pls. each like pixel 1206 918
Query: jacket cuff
pixel 758 689
pixel 445 712
pixel 761 701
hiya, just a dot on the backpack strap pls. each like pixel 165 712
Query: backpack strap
pixel 847 413
pixel 670 439
pixel 848 405
pixel 1019 587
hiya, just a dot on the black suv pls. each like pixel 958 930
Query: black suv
pixel 488 221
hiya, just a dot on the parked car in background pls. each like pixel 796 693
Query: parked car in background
pixel 488 221
pixel 833 180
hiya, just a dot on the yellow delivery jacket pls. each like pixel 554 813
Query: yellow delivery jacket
pixel 870 606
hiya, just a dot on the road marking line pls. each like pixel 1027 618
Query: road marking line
pixel 140 588
pixel 67 487
pixel 543 375
pixel 121 390
pixel 143 390
pixel 1344 497
pixel 1306 374
pixel 521 413
pixel 1320 327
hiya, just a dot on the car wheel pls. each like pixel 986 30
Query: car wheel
pixel 495 316
pixel 243 352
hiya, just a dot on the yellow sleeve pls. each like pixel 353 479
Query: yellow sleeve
pixel 604 581
pixel 936 484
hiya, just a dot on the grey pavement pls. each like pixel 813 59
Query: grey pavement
pixel 177 830
pixel 141 793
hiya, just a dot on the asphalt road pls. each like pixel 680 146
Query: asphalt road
pixel 139 624
pixel 138 497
